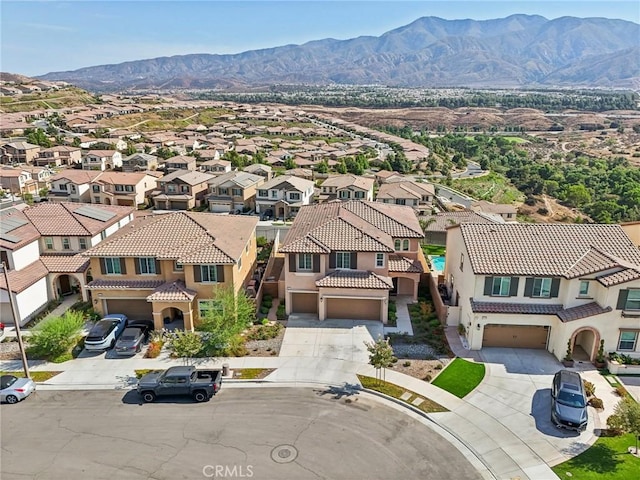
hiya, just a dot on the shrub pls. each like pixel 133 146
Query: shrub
pixel 265 332
pixel 261 241
pixel 596 402
pixel 235 348
pixel 186 344
pixel 589 388
pixel 265 321
pixel 153 350
pixel 438 366
pixel 264 310
pixel 620 390
pixel 406 364
pixel 427 378
pixel 281 312
pixel 57 336
pixel 461 329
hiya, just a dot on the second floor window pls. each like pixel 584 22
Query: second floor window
pixel 345 194
pixel 147 265
pixel 48 243
pixel 305 261
pixel 343 259
pixel 628 340
pixel 294 196
pixel 379 260
pixel 112 266
pixel 541 288
pixel 358 194
pixel 236 192
pixel 401 244
pixel 66 244
pixel 223 191
pixel 177 267
pixel 274 194
pixel 119 188
pixel 96 188
pixel 83 243
pixel 209 273
pixel 501 286
pixel 263 193
pixel 584 288
pixel 632 300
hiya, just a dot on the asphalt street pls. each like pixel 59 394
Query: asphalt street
pixel 261 433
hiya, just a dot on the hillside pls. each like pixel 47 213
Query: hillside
pixel 520 50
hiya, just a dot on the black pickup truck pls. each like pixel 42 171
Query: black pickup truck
pixel 199 384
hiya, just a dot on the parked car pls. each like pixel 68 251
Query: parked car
pixel 568 401
pixel 133 337
pixel 1 330
pixel 13 389
pixel 199 384
pixel 105 332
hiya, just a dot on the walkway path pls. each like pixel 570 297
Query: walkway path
pixel 403 320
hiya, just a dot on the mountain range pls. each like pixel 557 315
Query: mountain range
pixel 517 51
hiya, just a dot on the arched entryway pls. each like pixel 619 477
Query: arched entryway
pixel 173 318
pixel 585 342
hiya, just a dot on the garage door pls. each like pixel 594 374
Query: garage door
pixel 515 336
pixel 304 303
pixel 134 309
pixel 349 308
pixel 219 208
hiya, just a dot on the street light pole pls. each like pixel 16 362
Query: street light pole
pixel 16 322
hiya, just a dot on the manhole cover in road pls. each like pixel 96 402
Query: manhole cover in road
pixel 284 454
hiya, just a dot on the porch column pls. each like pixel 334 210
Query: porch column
pixel 158 322
pixel 187 318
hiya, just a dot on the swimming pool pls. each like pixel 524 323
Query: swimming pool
pixel 437 263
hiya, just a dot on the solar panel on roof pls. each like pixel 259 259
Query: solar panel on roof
pixel 95 213
pixel 9 238
pixel 9 223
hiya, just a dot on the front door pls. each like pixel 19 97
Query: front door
pixel 394 291
pixel 65 285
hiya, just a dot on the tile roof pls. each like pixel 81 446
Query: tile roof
pixel 516 308
pixel 106 283
pixel 592 261
pixel 60 219
pixel 622 276
pixel 355 226
pixel 241 178
pixel 544 249
pixel 22 279
pixel 445 220
pixel 172 292
pixel 398 263
pixel 288 182
pixel 582 311
pixel 349 180
pixel 22 234
pixel 65 263
pixel 76 176
pixel 187 237
pixel 355 279
pixel 191 177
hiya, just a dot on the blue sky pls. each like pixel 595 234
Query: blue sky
pixel 39 37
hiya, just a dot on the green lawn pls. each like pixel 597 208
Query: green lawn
pixel 460 377
pixel 607 459
pixel 433 249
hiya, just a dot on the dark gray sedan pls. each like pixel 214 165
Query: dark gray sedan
pixel 131 340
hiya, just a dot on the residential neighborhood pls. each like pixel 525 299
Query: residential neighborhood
pixel 283 249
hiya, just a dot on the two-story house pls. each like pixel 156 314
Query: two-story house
pixel 346 187
pixel 544 286
pixel 147 273
pixel 17 181
pixel 139 162
pixel 102 160
pixel 58 156
pixel 181 190
pixel 122 188
pixel 216 166
pixel 233 192
pixel 284 195
pixel 72 185
pixel 179 162
pixel 344 258
pixel 506 211
pixel 42 247
pixel 260 169
pixel 419 196
pixel 19 152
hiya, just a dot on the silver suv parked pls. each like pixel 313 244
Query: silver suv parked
pixel 568 401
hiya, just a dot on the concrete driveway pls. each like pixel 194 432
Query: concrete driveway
pixel 516 391
pixel 336 339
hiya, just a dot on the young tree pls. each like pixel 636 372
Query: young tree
pixel 380 356
pixel 626 418
pixel 230 314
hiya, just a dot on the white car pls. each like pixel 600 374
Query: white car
pixel 105 332
pixel 13 389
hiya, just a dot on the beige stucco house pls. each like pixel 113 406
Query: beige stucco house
pixel 544 285
pixel 167 266
pixel 343 259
